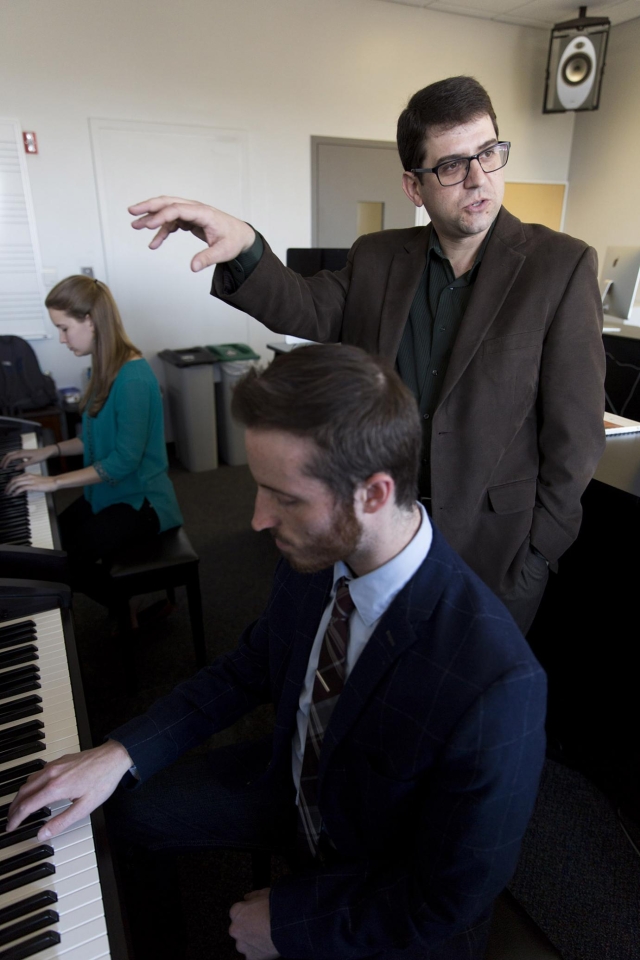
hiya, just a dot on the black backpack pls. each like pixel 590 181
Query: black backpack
pixel 23 385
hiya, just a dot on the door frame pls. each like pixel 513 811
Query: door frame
pixel 316 143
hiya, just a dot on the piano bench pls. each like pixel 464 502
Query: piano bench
pixel 163 563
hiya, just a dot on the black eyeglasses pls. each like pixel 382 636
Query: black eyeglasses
pixel 456 171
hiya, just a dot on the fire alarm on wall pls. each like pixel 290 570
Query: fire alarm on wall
pixel 30 141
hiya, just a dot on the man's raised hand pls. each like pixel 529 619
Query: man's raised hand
pixel 226 236
pixel 87 779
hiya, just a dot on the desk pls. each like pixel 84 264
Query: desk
pixel 586 632
pixel 619 467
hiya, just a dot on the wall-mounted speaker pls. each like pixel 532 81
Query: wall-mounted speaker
pixel 575 66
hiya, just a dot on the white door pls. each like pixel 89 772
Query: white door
pixel 163 304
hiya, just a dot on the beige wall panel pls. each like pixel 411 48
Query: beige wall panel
pixel 603 206
pixel 536 202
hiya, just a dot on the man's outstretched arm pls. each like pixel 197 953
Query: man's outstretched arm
pixel 226 236
pixel 87 779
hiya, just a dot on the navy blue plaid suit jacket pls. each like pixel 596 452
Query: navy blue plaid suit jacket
pixel 429 766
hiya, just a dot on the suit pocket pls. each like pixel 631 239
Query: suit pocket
pixel 505 358
pixel 513 497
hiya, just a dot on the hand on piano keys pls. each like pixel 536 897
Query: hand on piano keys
pixel 87 779
pixel 30 483
pixel 24 458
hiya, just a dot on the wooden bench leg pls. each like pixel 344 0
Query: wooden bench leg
pixel 194 599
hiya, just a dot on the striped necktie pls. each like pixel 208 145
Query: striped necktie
pixel 327 687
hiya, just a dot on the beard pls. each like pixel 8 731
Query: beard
pixel 324 549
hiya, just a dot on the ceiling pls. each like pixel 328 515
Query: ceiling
pixel 529 13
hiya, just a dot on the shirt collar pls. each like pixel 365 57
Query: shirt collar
pixel 434 249
pixel 373 593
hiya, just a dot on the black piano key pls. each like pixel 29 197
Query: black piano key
pixel 26 654
pixel 17 628
pixel 21 770
pixel 20 730
pixel 37 901
pixel 17 526
pixel 27 926
pixel 19 746
pixel 17 880
pixel 27 857
pixel 22 833
pixel 18 517
pixel 23 751
pixel 28 948
pixel 13 681
pixel 12 787
pixel 36 815
pixel 18 639
pixel 20 520
pixel 19 709
pixel 25 686
pixel 13 505
pixel 9 747
pixel 8 676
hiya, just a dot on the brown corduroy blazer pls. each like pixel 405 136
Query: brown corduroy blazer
pixel 518 430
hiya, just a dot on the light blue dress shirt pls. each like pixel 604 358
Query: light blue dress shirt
pixel 372 594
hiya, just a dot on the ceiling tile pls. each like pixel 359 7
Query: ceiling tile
pixel 480 8
pixel 543 14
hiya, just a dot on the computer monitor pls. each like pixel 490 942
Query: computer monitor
pixel 309 260
pixel 619 284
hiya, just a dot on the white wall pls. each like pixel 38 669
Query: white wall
pixel 604 198
pixel 281 70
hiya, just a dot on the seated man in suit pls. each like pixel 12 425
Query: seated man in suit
pixel 409 710
pixel 495 326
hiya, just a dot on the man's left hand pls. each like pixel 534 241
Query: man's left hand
pixel 251 926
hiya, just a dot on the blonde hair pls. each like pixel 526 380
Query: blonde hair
pixel 82 298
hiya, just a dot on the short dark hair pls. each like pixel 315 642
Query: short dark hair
pixel 355 408
pixel 447 103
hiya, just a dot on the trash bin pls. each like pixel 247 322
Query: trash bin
pixel 191 400
pixel 237 360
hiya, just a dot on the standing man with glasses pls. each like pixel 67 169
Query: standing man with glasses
pixel 495 325
pixel 409 711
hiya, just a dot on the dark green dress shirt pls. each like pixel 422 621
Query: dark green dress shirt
pixel 432 326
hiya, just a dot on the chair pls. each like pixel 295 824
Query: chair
pixel 163 563
pixel 514 935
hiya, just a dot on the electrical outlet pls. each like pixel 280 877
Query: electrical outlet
pixel 49 277
pixel 87 271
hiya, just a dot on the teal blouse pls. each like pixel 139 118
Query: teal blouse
pixel 125 443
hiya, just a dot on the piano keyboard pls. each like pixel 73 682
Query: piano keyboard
pixel 62 892
pixel 25 520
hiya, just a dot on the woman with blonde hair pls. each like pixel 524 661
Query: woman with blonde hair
pixel 128 496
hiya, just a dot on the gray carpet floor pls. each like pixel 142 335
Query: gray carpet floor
pixel 579 876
